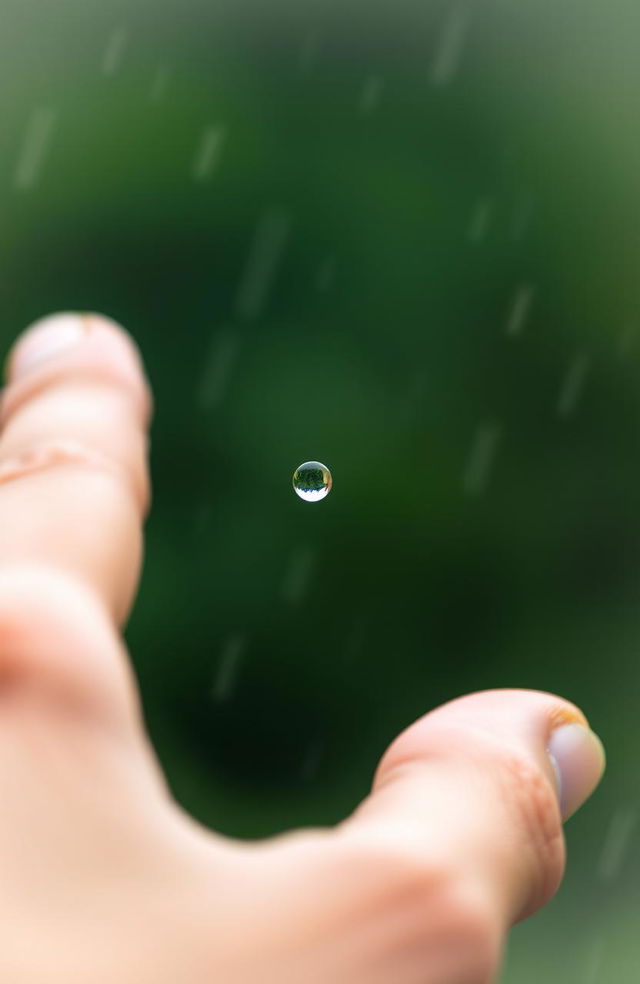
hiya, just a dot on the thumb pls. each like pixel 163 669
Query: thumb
pixel 481 786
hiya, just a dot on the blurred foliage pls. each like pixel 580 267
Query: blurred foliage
pixel 402 239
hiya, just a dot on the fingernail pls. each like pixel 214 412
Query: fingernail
pixel 578 759
pixel 44 339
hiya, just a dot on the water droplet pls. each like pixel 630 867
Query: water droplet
pixel 312 481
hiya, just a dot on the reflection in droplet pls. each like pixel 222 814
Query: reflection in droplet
pixel 312 481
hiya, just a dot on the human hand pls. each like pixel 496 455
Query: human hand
pixel 104 878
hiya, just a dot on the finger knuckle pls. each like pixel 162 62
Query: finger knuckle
pixel 51 454
pixel 532 804
pixel 470 931
pixel 423 908
pixel 54 641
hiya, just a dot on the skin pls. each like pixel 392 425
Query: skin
pixel 104 878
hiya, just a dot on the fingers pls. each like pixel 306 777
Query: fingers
pixel 73 473
pixel 474 783
pixel 73 493
pixel 467 800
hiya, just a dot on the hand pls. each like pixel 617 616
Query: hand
pixel 104 878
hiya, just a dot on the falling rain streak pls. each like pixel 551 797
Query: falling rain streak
pixel 616 843
pixel 626 340
pixel 114 51
pixel 159 85
pixel 520 310
pixel 298 575
pixel 266 251
pixel 202 519
pixel 480 220
pixel 594 962
pixel 481 458
pixel 219 364
pixel 449 46
pixel 370 93
pixel 227 672
pixel 208 152
pixel 36 143
pixel 326 274
pixel 572 385
pixel 309 51
pixel 521 218
pixel 415 394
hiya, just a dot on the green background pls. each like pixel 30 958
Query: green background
pixel 400 238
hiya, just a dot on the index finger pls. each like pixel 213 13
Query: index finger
pixel 73 472
pixel 74 491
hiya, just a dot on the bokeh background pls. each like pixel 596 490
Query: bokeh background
pixel 400 237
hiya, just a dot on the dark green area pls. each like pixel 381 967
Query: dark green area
pixel 447 313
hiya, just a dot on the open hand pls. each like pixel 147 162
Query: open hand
pixel 104 879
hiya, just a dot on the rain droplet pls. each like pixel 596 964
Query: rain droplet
pixel 312 481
